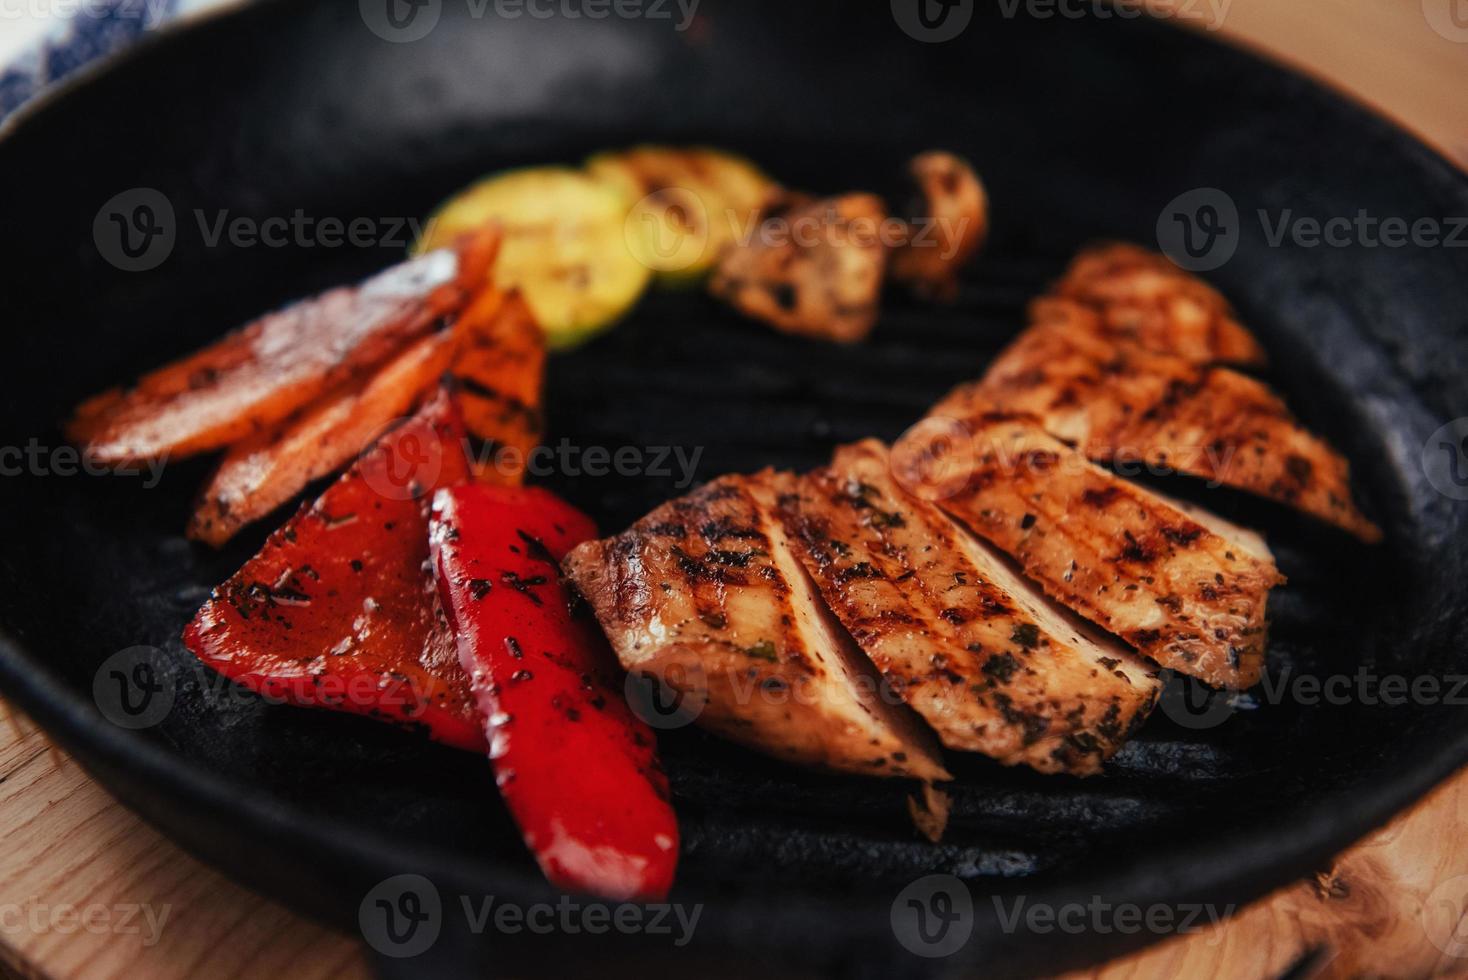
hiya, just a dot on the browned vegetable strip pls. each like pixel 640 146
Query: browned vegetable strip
pixel 263 472
pixel 1129 561
pixel 499 368
pixel 963 638
pixel 258 376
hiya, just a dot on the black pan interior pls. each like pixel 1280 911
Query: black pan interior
pixel 1083 129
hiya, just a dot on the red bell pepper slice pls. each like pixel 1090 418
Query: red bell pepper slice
pixel 577 769
pixel 338 610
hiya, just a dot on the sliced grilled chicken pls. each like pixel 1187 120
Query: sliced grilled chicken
pixel 1128 406
pixel 1126 559
pixel 816 270
pixel 705 595
pixel 263 373
pixel 990 663
pixel 1142 298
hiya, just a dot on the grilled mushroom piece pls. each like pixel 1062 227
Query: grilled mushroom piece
pixel 948 228
pixel 815 270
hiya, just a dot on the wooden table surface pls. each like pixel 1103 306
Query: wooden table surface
pixel 87 890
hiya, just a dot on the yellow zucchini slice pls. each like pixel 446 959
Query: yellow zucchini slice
pixel 687 205
pixel 565 246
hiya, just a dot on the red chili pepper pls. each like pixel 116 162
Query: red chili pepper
pixel 577 769
pixel 338 610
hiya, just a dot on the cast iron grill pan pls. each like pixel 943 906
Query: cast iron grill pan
pixel 1083 130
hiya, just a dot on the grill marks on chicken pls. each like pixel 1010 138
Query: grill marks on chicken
pixel 1142 298
pixel 705 594
pixel 987 661
pixel 1128 560
pixel 1123 404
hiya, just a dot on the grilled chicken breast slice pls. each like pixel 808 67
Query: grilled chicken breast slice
pixel 975 649
pixel 1127 406
pixel 705 595
pixel 1142 298
pixel 1122 557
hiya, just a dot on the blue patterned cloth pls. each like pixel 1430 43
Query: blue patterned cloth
pixel 95 29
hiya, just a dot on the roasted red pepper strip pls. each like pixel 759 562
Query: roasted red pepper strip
pixel 577 769
pixel 338 610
